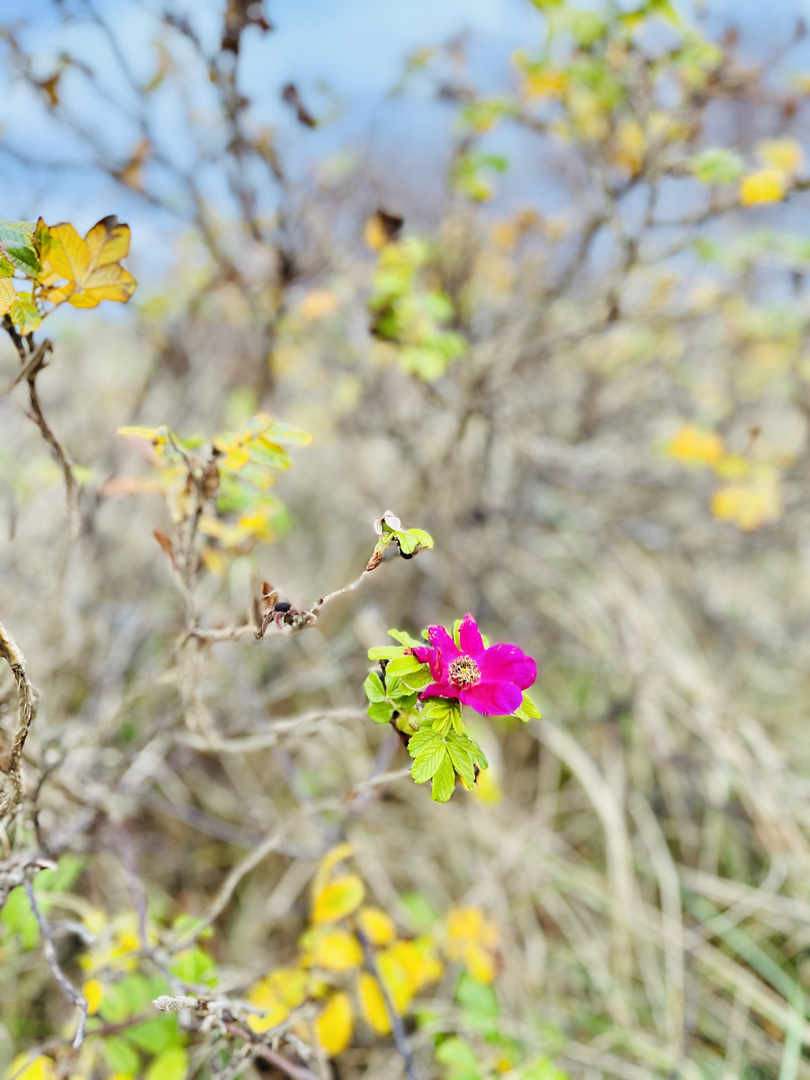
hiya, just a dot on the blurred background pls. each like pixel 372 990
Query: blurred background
pixel 533 276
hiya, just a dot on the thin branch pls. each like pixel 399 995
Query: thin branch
pixel 79 1000
pixel 401 1039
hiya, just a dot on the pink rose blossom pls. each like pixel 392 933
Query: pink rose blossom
pixel 491 681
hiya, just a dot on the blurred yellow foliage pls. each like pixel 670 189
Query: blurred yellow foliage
pixel 318 304
pixel 338 899
pixel 472 938
pixel 785 155
pixel 765 186
pixel 691 446
pixel 40 1068
pixel 335 1026
pixel 748 506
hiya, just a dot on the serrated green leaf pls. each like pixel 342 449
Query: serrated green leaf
pixel 424 539
pixel 428 762
pixel 444 781
pixel 375 691
pixel 380 712
pixel 528 710
pixel 443 713
pixel 462 762
pixel 386 652
pixel 407 543
pixel 423 737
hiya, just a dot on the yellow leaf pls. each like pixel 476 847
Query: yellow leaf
pixel 338 854
pixel 335 950
pixel 335 1025
pixel 277 995
pixel 747 505
pixel 93 991
pixel 318 304
pixel 40 1068
pixel 695 447
pixel 766 186
pixel 471 938
pixel 90 268
pixel 487 788
pixel 338 899
pixel 479 963
pixel 785 155
pixel 372 1003
pixel 377 925
pixel 630 145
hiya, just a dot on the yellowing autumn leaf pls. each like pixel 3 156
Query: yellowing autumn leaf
pixel 7 294
pixel 748 506
pixel 338 899
pixel 692 446
pixel 40 1068
pixel 629 147
pixel 335 1025
pixel 377 925
pixel 84 272
pixel 334 950
pixel 372 1003
pixel 765 186
pixel 93 991
pixel 276 996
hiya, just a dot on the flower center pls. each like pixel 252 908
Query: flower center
pixel 464 671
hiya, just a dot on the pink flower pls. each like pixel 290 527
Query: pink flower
pixel 491 681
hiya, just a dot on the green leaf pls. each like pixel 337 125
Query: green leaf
pixel 459 1057
pixel 386 652
pixel 404 665
pixel 476 997
pixel 23 313
pixel 6 269
pixel 417 679
pixel 424 539
pixel 528 710
pixel 428 761
pixel 375 691
pixel 288 433
pixel 717 166
pixel 121 1057
pixel 171 1064
pixel 380 712
pixel 155 1035
pixel 193 965
pixel 424 737
pixel 17 245
pixel 444 781
pixel 404 639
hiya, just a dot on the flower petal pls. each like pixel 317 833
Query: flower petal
pixel 423 653
pixel 442 640
pixel 507 663
pixel 443 690
pixel 469 637
pixel 491 698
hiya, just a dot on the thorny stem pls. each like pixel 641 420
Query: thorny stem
pixel 11 785
pixel 79 1000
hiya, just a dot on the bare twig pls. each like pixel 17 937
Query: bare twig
pixel 401 1039
pixel 79 1000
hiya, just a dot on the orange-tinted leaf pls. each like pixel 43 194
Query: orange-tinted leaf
pixel 335 1025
